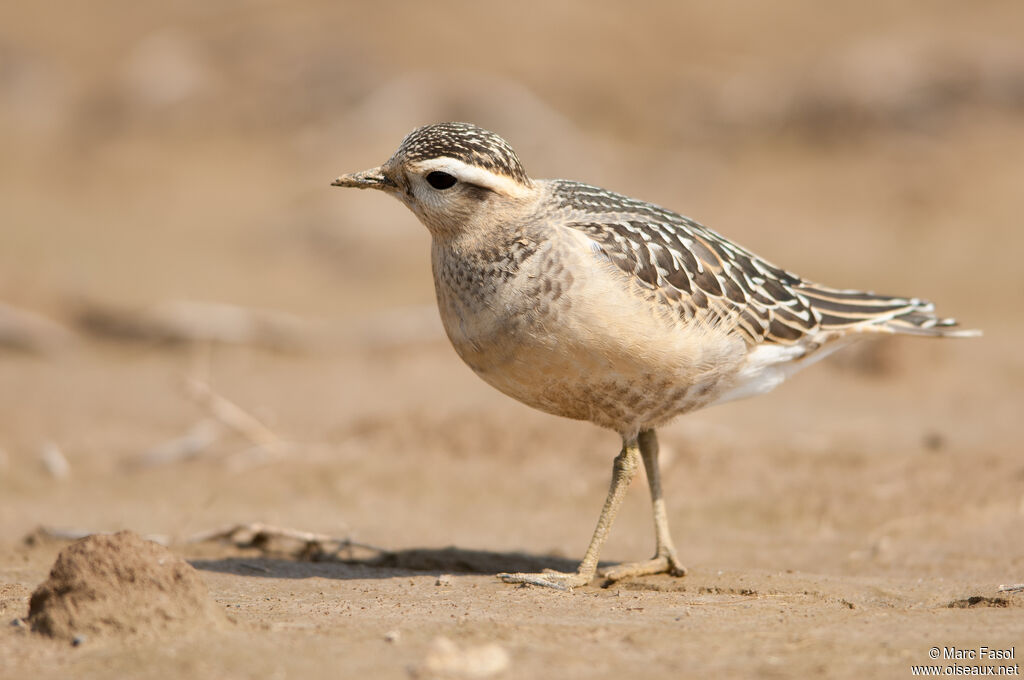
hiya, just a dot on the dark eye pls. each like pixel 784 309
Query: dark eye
pixel 441 180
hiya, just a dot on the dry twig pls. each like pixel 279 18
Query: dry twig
pixel 233 416
pixel 27 331
pixel 185 321
pixel 190 445
pixel 74 534
pixel 262 536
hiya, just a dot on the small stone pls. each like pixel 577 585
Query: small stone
pixel 447 658
pixel 54 461
pixel 933 441
pixel 78 641
pixel 392 636
pixel 443 580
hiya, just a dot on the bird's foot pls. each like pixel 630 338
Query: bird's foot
pixel 549 578
pixel 667 563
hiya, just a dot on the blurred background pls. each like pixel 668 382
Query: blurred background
pixel 171 250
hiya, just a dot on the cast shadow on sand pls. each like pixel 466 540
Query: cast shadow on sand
pixel 385 565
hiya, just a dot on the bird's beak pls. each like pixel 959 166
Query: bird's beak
pixel 373 178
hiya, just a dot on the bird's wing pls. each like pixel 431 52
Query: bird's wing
pixel 686 266
pixel 705 277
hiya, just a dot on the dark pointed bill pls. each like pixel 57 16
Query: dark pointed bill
pixel 373 178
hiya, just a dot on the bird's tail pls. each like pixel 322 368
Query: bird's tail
pixel 869 312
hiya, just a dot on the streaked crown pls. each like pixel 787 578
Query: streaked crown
pixel 465 142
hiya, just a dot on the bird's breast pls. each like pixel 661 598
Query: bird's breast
pixel 560 332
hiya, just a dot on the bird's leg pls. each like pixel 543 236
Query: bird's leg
pixel 664 560
pixel 626 464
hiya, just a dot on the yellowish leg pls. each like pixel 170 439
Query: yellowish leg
pixel 626 464
pixel 664 560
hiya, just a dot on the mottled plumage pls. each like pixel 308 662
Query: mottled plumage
pixel 467 143
pixel 592 305
pixel 704 276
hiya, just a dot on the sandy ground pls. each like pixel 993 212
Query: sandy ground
pixel 867 511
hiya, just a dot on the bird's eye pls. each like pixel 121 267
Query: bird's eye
pixel 441 180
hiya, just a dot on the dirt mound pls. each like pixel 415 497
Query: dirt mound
pixel 120 585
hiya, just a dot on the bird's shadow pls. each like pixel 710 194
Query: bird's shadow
pixel 389 564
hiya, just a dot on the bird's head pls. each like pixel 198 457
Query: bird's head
pixel 453 176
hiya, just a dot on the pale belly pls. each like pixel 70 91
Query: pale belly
pixel 595 352
pixel 624 396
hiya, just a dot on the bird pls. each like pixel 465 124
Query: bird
pixel 591 305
